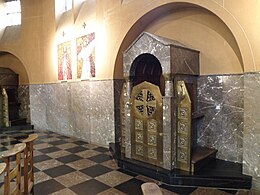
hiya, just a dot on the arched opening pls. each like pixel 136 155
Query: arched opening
pixel 146 67
pixel 14 80
pixel 8 60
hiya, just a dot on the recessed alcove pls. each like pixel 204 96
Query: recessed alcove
pixel 172 154
pixel 13 102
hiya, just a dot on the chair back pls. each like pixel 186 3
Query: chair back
pixel 12 174
pixel 2 167
pixel 28 165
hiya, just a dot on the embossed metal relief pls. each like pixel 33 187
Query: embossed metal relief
pixel 138 124
pixel 183 141
pixel 152 125
pixel 139 137
pixel 152 153
pixel 152 139
pixel 182 156
pixel 183 112
pixel 139 149
pixel 183 127
pixel 145 103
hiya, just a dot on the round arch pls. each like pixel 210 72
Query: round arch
pixel 146 67
pixel 9 60
pixel 242 46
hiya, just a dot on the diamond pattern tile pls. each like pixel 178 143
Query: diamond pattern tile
pixel 59 170
pixel 68 166
pixel 96 170
pixel 90 187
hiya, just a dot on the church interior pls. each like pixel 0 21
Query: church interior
pixel 115 94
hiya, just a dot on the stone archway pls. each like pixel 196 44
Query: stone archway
pixel 12 64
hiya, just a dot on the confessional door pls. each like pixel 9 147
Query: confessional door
pixel 146 128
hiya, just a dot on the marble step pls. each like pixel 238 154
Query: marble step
pixel 201 156
pixel 19 121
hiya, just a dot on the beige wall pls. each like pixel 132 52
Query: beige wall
pixel 224 31
pixel 8 60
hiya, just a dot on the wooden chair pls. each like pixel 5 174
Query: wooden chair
pixel 13 174
pixel 28 165
pixel 2 167
pixel 150 188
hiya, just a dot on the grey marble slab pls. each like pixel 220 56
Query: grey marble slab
pixel 220 99
pixel 24 100
pixel 82 109
pixel 251 139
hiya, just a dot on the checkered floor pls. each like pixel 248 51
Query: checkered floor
pixel 68 166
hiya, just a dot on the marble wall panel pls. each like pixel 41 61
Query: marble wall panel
pixel 38 106
pixel 118 84
pixel 82 109
pixel 167 134
pixel 220 99
pixel 102 112
pixel 80 112
pixel 147 44
pixel 24 100
pixel 251 141
pixel 184 61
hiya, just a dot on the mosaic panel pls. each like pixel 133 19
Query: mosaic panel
pixel 64 61
pixel 86 56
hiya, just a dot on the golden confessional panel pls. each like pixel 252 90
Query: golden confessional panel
pixel 146 123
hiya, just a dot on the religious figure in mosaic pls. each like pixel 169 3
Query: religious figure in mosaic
pixel 86 56
pixel 64 61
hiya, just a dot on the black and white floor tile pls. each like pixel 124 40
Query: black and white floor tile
pixel 69 166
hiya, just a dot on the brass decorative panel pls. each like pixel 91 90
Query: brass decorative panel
pixel 183 127
pixel 182 156
pixel 183 112
pixel 152 153
pixel 139 124
pixel 152 139
pixel 145 103
pixel 139 149
pixel 183 141
pixel 146 123
pixel 139 136
pixel 152 125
